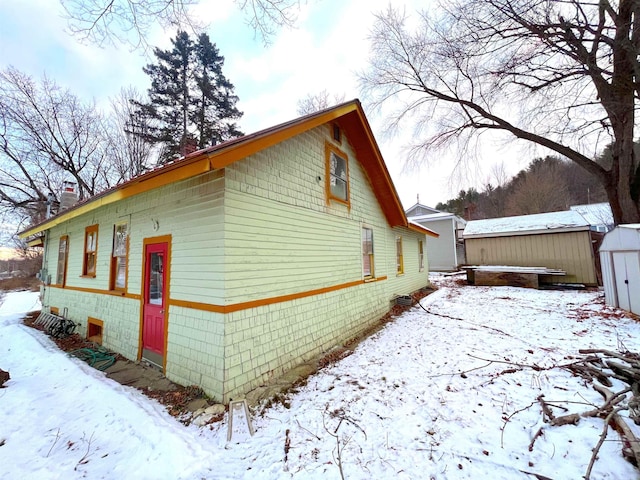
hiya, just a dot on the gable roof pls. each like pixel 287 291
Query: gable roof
pixel 596 213
pixel 553 222
pixel 409 211
pixel 433 217
pixel 349 116
pixel 622 238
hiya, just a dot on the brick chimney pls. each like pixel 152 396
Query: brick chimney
pixel 69 196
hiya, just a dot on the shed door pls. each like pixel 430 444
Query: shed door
pixel 155 298
pixel 627 274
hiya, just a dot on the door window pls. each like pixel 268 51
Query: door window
pixel 156 278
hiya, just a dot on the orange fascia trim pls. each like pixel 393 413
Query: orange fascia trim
pixel 254 143
pixel 349 116
pixel 420 229
pixel 208 307
pixel 36 242
pixel 148 181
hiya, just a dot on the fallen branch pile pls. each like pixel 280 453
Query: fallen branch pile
pixel 603 369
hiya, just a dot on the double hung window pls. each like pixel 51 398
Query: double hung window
pixel 119 257
pixel 337 174
pixel 90 251
pixel 367 252
pixel 63 255
pixel 399 256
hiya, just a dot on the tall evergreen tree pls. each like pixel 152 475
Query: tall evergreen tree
pixel 190 99
pixel 214 103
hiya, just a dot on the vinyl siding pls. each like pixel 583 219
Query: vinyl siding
pixel 442 250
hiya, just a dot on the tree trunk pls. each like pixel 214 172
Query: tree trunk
pixel 620 105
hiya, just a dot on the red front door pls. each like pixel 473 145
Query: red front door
pixel 155 302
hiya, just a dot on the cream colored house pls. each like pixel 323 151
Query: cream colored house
pixel 239 261
pixel 556 240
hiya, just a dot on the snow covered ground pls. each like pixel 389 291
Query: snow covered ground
pixel 425 398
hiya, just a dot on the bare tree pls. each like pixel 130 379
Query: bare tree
pixel 540 190
pixel 129 21
pixel 319 101
pixel 131 153
pixel 563 75
pixel 493 198
pixel 47 136
pixel 265 16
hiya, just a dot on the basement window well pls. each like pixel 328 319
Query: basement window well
pixel 94 330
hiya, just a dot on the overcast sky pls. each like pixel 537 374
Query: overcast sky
pixel 324 52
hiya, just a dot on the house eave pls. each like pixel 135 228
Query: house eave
pixel 145 182
pixel 420 229
pixel 349 116
pixel 519 233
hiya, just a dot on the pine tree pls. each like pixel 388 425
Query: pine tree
pixel 214 108
pixel 190 99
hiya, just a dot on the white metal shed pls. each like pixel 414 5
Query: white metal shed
pixel 620 262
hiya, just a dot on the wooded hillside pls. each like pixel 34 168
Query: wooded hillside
pixel 548 185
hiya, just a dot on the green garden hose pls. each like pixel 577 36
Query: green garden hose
pixel 98 357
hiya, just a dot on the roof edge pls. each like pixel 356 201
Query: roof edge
pixel 420 229
pixel 202 161
pixel 519 233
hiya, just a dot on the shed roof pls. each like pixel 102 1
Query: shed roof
pixel 595 213
pixel 553 222
pixel 622 238
pixel 432 217
pixel 349 116
pixel 421 207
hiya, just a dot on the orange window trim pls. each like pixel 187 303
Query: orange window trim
pixel 114 260
pixel 329 148
pixel 63 277
pixel 370 255
pixel 94 330
pixel 336 132
pixel 399 256
pixel 86 270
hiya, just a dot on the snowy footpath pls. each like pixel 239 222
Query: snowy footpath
pixel 442 392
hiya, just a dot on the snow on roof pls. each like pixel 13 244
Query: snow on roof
pixel 622 238
pixel 421 207
pixel 568 220
pixel 431 217
pixel 595 213
pixel 433 232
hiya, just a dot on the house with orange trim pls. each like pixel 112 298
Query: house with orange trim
pixel 238 262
